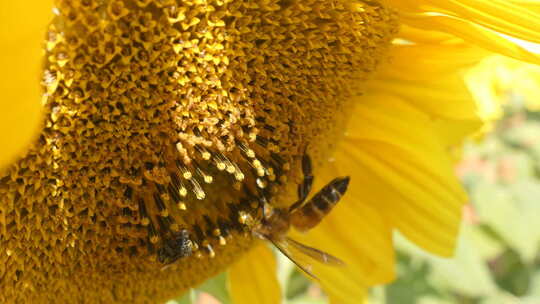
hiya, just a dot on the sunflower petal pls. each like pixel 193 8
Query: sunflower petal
pixel 406 171
pixel 420 82
pixel 22 30
pixel 432 96
pixel 518 18
pixel 510 18
pixel 363 299
pixel 451 133
pixel 253 278
pixel 438 59
pixel 472 33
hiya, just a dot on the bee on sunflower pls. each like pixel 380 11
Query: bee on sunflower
pixel 167 125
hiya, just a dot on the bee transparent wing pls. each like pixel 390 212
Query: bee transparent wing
pixel 315 253
pixel 304 256
pixel 283 247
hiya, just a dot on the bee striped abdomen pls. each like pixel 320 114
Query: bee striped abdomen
pixel 314 210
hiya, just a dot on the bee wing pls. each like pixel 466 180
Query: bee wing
pixel 283 247
pixel 315 253
pixel 304 256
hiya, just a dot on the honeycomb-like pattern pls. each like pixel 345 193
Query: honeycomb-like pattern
pixel 167 119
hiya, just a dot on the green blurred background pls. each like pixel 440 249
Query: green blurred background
pixel 498 255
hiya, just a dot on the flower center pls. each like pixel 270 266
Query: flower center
pixel 168 121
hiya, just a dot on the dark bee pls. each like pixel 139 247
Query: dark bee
pixel 175 248
pixel 276 222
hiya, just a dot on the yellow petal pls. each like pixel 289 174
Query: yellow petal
pixel 502 16
pixel 451 133
pixel 424 36
pixel 473 34
pixel 405 171
pixel 357 234
pixel 253 278
pixel 362 298
pixel 22 31
pixel 433 96
pixel 439 58
pixel 519 19
pixel 434 84
pixel 419 82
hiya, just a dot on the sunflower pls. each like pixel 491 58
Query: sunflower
pixel 166 121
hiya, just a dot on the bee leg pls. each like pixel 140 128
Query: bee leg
pixel 305 187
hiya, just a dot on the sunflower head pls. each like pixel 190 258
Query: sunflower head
pixel 166 122
pixel 169 124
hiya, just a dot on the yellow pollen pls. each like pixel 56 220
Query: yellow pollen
pixel 222 241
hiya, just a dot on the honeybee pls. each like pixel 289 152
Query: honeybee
pixel 179 246
pixel 276 222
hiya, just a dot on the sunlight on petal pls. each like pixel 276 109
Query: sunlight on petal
pixel 422 84
pixel 473 34
pixel 22 30
pixel 437 59
pixel 503 16
pixel 519 19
